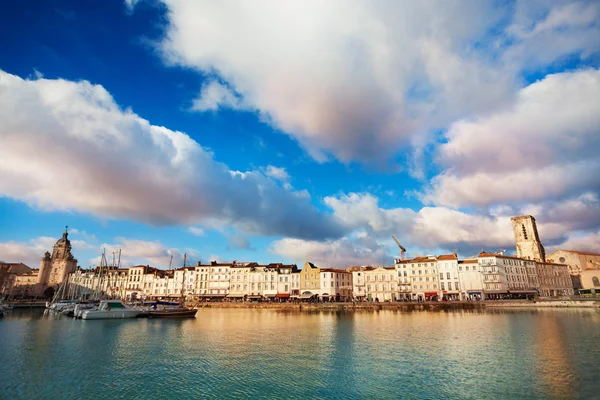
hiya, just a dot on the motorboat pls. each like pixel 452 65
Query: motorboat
pixel 81 307
pixel 59 306
pixel 173 312
pixel 163 309
pixel 110 309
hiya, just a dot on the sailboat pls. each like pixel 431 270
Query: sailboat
pixel 179 311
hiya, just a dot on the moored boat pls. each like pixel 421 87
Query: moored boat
pixel 177 312
pixel 110 309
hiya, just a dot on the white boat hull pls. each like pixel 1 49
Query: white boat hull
pixel 112 314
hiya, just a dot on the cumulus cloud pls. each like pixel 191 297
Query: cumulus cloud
pixel 68 146
pixel 589 242
pixel 135 251
pixel 340 253
pixel 544 146
pixel 215 95
pixel 338 76
pixel 277 173
pixel 361 80
pixel 429 230
pixel 196 230
pixel 32 251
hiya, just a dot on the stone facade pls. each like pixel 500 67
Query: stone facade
pixel 527 239
pixel 55 267
pixel 578 262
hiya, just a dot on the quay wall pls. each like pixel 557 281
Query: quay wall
pixel 546 304
pixel 431 306
pixel 346 306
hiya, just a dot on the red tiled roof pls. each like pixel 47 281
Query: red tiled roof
pixel 448 257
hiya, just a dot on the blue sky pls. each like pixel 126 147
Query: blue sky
pixel 296 131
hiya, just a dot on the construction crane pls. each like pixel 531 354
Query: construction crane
pixel 402 249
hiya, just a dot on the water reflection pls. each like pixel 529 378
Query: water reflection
pixel 238 353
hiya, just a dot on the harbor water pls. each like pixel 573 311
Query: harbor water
pixel 254 353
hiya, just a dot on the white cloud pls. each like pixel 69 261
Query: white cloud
pixel 196 230
pixel 68 146
pixel 340 253
pixel 586 242
pixel 215 95
pixel 362 80
pixel 543 147
pixel 32 251
pixel 135 251
pixel 353 79
pixel 277 173
pixel 130 5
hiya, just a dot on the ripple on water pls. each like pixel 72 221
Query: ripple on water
pixel 265 354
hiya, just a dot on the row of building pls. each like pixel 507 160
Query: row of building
pixel 444 277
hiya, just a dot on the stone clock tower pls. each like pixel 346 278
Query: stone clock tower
pixel 55 267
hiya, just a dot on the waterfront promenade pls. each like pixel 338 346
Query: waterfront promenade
pixel 404 306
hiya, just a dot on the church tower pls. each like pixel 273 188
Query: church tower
pixel 527 239
pixel 55 267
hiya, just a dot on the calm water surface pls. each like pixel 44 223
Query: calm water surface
pixel 246 353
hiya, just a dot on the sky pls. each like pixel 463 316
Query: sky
pixel 300 130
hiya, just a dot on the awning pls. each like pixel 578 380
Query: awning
pixel 306 296
pixel 283 295
pixel 474 291
pixel 496 292
pixel 213 295
pixel 429 294
pixel 522 291
pixel 235 295
pixel 254 296
pixel 270 294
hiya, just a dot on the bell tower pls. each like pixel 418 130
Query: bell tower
pixel 527 239
pixel 55 267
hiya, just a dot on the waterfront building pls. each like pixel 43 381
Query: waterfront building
pixel 507 277
pixel 577 261
pixel 213 279
pixel 404 279
pixel 527 239
pixel 554 279
pixel 425 278
pixel 239 287
pixel 470 279
pixel 285 280
pixel 381 284
pixel 336 284
pixel 590 282
pixel 447 265
pixel 22 285
pixel 310 281
pixel 295 287
pixel 100 281
pixel 8 272
pixel 359 290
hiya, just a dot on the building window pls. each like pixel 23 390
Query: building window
pixel 595 281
